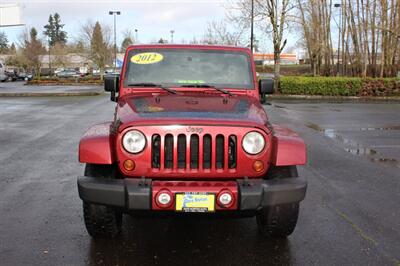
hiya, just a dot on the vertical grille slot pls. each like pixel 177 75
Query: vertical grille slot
pixel 207 152
pixel 155 151
pixel 169 151
pixel 232 152
pixel 194 152
pixel 181 151
pixel 219 152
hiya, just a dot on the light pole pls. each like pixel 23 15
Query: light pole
pixel 115 13
pixel 172 36
pixel 252 25
pixel 340 33
pixel 136 36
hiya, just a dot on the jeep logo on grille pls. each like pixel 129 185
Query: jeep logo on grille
pixel 197 130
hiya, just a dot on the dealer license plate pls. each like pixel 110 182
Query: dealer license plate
pixel 195 202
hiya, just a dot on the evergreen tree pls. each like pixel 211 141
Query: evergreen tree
pixel 60 36
pixel 100 51
pixel 79 47
pixel 33 50
pixel 125 43
pixel 13 49
pixel 54 30
pixel 3 43
pixel 49 32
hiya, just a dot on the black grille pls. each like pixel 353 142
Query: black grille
pixel 219 156
pixel 155 151
pixel 232 152
pixel 194 152
pixel 221 153
pixel 207 152
pixel 182 151
pixel 169 151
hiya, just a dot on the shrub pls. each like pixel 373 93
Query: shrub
pixel 340 86
pixel 88 80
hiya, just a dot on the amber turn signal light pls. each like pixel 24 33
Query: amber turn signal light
pixel 129 165
pixel 258 166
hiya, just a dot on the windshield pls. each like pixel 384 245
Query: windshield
pixel 177 68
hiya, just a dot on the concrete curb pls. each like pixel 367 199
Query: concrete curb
pixel 48 94
pixel 64 84
pixel 333 98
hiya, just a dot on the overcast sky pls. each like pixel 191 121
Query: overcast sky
pixel 153 19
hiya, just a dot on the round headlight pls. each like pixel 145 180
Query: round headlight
pixel 134 141
pixel 253 143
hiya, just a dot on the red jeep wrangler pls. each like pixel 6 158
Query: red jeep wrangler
pixel 190 135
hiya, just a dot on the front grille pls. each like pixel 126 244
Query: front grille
pixel 194 152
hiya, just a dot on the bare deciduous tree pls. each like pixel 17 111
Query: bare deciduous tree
pixel 275 14
pixel 217 32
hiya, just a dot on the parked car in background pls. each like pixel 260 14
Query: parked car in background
pixel 58 70
pixel 96 72
pixel 68 73
pixel 3 75
pixel 24 76
pixel 11 75
pixel 108 70
pixel 83 71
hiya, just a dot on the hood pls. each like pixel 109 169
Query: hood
pixel 191 108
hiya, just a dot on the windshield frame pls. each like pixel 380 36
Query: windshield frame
pixel 196 48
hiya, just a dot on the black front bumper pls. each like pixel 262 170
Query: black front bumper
pixel 135 194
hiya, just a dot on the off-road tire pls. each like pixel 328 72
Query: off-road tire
pixel 275 172
pixel 278 221
pixel 263 98
pixel 101 221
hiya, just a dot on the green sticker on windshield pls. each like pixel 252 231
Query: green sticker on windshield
pixel 191 81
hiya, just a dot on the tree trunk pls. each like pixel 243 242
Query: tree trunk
pixel 277 70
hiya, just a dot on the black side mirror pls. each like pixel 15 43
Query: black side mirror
pixel 266 86
pixel 111 84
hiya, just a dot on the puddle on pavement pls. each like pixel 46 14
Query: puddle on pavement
pixel 361 151
pixel 388 161
pixel 355 148
pixel 389 127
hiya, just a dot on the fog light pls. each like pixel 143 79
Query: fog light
pixel 258 166
pixel 129 165
pixel 225 199
pixel 164 199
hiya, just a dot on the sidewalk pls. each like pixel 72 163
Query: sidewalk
pixel 19 89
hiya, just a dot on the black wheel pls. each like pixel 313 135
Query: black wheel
pixel 263 98
pixel 278 221
pixel 275 172
pixel 101 221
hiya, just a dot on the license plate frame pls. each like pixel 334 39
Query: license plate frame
pixel 195 202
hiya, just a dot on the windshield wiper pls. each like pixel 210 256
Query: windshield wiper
pixel 152 85
pixel 207 86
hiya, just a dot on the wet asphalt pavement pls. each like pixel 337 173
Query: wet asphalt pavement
pixel 21 87
pixel 351 215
